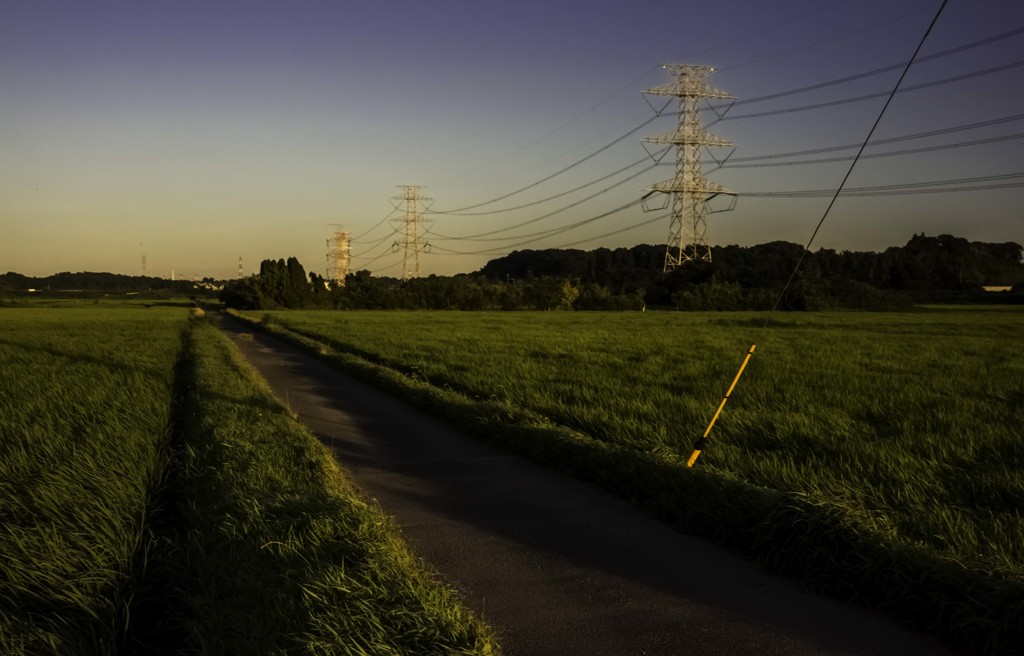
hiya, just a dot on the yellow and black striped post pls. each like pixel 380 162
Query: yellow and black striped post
pixel 699 445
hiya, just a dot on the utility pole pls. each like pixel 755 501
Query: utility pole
pixel 689 191
pixel 411 243
pixel 339 247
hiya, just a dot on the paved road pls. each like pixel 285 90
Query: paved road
pixel 554 565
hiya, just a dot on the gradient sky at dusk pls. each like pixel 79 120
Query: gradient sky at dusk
pixel 197 132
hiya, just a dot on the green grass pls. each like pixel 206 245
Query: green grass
pixel 84 411
pixel 890 442
pixel 155 496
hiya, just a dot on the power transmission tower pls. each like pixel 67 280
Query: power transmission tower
pixel 412 243
pixel 689 191
pixel 339 247
pixel 239 266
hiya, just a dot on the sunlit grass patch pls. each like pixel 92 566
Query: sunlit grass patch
pixel 83 416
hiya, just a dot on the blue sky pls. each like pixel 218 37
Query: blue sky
pixel 197 132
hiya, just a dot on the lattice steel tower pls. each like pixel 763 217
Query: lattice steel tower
pixel 339 248
pixel 412 243
pixel 689 191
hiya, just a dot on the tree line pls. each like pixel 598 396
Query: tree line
pixel 91 281
pixel 926 268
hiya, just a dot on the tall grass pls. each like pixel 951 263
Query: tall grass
pixel 278 552
pixel 157 498
pixel 901 432
pixel 83 415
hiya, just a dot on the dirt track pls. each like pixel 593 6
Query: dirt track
pixel 554 565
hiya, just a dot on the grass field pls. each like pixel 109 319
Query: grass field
pixel 900 432
pixel 84 414
pixel 155 497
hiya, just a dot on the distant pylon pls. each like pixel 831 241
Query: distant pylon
pixel 338 252
pixel 689 191
pixel 411 243
pixel 239 266
pixel 143 265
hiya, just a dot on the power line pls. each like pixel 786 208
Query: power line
pixel 879 142
pixel 892 153
pixel 880 94
pixel 549 198
pixel 570 206
pixel 558 127
pixel 355 240
pixel 385 253
pixel 933 186
pixel 548 233
pixel 556 173
pixel 552 231
pixel 615 232
pixel 879 71
pixel 394 231
pixel 393 265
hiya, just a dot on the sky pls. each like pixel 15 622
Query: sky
pixel 195 133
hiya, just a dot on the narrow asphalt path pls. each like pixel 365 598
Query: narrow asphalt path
pixel 555 566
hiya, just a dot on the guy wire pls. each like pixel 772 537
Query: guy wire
pixel 701 442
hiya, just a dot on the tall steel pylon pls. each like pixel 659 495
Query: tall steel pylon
pixel 412 243
pixel 339 249
pixel 689 191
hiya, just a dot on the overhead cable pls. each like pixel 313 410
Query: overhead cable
pixel 380 241
pixel 878 71
pixel 933 186
pixel 558 127
pixel 548 233
pixel 549 198
pixel 880 94
pixel 356 239
pixel 615 232
pixel 477 236
pixel 558 172
pixel 879 142
pixel 891 153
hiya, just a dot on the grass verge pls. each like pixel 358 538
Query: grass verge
pixel 829 545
